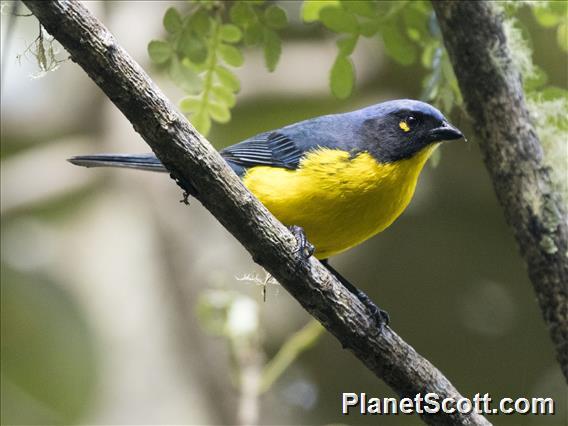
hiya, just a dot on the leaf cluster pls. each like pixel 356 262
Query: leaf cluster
pixel 408 31
pixel 553 14
pixel 203 46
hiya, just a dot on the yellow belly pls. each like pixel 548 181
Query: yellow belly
pixel 339 201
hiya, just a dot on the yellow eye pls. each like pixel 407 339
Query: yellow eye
pixel 404 126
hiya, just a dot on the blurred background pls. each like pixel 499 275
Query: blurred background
pixel 111 287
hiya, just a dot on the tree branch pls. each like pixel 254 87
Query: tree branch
pixel 190 158
pixel 493 94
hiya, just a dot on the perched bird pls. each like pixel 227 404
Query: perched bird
pixel 336 180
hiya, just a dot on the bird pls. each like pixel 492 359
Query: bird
pixel 335 180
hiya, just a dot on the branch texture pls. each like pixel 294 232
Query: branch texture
pixel 190 158
pixel 493 93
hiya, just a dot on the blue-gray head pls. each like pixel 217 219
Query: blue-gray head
pixel 395 130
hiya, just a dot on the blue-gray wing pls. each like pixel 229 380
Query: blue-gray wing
pixel 266 149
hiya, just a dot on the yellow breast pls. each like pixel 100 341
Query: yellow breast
pixel 339 200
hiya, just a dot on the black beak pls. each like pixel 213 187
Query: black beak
pixel 446 132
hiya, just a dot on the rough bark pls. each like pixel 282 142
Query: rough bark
pixel 493 94
pixel 190 158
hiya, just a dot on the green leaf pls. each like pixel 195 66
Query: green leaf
pixel 224 95
pixel 311 8
pixel 231 55
pixel 272 49
pixel 545 17
pixel 242 14
pixel 562 36
pixel 185 77
pixel 202 122
pixel 198 68
pixel 253 34
pixel 190 104
pixel 159 51
pixel 219 112
pixel 231 33
pixel 364 8
pixel 339 20
pixel 193 47
pixel 227 78
pixel 342 77
pixel 199 23
pixel 347 44
pixel 416 23
pixel 172 21
pixel 397 45
pixel 275 17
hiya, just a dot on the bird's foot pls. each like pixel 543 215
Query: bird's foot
pixel 304 248
pixel 380 316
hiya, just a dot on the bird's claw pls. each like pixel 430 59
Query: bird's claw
pixel 304 248
pixel 380 316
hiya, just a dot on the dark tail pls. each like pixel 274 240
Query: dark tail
pixel 129 161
